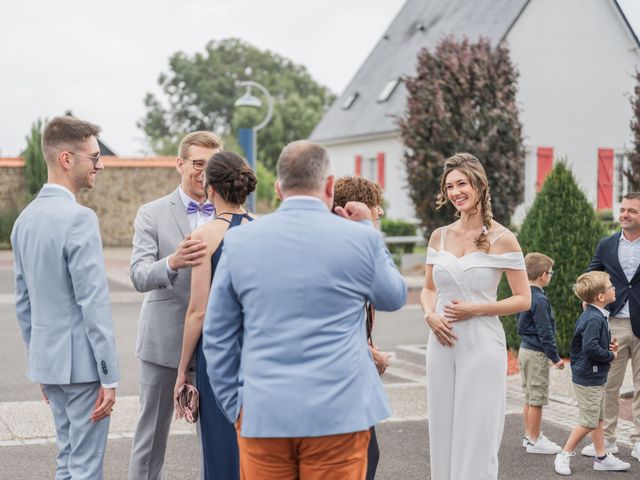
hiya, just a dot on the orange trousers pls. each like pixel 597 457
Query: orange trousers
pixel 331 457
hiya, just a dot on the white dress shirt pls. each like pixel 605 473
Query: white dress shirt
pixel 629 258
pixel 61 187
pixel 196 220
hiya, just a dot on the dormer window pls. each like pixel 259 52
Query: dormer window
pixel 350 100
pixel 388 90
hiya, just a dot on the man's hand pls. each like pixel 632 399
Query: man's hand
pixel 355 211
pixel 44 395
pixel 104 404
pixel 188 254
pixel 559 365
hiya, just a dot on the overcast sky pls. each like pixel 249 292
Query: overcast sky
pixel 100 61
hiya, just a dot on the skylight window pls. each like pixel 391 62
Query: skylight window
pixel 388 90
pixel 350 100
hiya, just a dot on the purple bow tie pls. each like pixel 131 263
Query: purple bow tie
pixel 203 208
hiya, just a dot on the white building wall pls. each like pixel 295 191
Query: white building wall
pixel 343 162
pixel 576 60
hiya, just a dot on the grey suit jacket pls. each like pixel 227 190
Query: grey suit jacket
pixel 159 227
pixel 62 294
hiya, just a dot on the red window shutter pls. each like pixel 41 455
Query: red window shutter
pixel 380 158
pixel 605 178
pixel 358 165
pixel 545 165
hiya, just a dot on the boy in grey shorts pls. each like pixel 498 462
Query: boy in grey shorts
pixel 592 350
pixel 537 329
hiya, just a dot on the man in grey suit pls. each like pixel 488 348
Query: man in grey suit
pixel 62 300
pixel 161 261
pixel 284 334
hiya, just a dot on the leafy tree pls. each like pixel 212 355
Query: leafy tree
pixel 463 98
pixel 266 200
pixel 201 90
pixel 563 225
pixel 35 167
pixel 633 172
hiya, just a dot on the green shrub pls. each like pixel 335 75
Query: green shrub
pixel 563 225
pixel 399 228
pixel 7 219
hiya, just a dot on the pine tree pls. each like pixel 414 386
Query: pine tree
pixel 463 99
pixel 35 167
pixel 563 225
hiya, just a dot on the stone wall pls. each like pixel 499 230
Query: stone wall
pixel 12 183
pixel 121 188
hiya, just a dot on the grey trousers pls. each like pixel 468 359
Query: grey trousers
pixel 81 443
pixel 156 413
pixel 152 429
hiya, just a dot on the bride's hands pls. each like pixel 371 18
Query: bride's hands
pixel 459 310
pixel 442 329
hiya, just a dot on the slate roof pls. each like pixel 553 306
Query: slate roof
pixel 419 24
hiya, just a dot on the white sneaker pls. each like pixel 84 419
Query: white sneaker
pixel 609 446
pixel 562 463
pixel 610 463
pixel 525 441
pixel 544 446
pixel 635 453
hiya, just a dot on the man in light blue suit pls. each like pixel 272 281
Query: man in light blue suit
pixel 284 334
pixel 62 300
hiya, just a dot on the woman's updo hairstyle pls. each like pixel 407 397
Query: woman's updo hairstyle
pixel 471 167
pixel 231 177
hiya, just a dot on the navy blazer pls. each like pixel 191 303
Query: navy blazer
pixel 590 354
pixel 537 327
pixel 606 259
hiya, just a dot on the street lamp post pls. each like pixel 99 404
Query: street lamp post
pixel 247 137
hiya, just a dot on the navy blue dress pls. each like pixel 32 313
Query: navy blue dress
pixel 219 441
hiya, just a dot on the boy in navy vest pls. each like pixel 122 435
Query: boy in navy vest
pixel 537 329
pixel 592 350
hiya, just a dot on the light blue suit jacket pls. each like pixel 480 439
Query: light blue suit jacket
pixel 284 333
pixel 62 295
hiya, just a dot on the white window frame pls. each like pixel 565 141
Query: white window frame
pixel 620 181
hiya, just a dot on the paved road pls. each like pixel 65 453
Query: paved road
pixel 26 433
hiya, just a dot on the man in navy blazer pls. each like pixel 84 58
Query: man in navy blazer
pixel 62 300
pixel 619 256
pixel 284 333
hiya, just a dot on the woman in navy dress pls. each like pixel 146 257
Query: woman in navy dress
pixel 228 182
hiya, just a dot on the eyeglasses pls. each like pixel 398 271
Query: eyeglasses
pixel 198 165
pixel 95 159
pixel 551 273
pixel 609 288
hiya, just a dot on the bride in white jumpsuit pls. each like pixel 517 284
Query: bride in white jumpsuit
pixel 466 351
